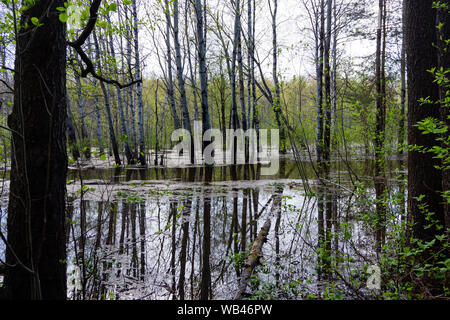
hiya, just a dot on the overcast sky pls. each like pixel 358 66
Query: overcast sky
pixel 297 44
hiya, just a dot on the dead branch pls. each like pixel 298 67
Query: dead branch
pixel 255 255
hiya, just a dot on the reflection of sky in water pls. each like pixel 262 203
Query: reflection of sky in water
pixel 298 233
pixel 298 238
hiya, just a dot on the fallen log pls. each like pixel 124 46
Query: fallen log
pixel 255 255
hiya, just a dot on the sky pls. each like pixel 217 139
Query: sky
pixel 295 41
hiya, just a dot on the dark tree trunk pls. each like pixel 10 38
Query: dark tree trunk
pixel 327 78
pixel 142 151
pixel 170 84
pixel 180 77
pixel 423 178
pixel 319 73
pixel 201 36
pixel 379 140
pixel 234 113
pixel 277 103
pixel 242 93
pixel 36 212
pixel 401 130
pixel 255 120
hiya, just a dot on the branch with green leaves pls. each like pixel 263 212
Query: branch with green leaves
pixel 77 45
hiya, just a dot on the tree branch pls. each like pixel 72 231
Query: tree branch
pixel 7 85
pixel 77 46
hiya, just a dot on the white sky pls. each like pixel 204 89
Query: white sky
pixel 297 45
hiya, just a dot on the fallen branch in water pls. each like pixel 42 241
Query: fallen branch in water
pixel 255 255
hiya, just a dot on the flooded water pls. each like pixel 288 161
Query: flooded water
pixel 185 233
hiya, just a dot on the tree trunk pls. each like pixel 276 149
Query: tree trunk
pixel 112 135
pixel 36 210
pixel 140 103
pixel 242 93
pixel 201 49
pixel 379 140
pixel 255 119
pixel 85 144
pixel 170 86
pixel 99 122
pixel 125 137
pixel 234 113
pixel 327 73
pixel 192 69
pixel 423 177
pixel 401 130
pixel 277 102
pixel 181 83
pixel 320 38
pixel 73 144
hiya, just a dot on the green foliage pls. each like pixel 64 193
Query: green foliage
pixel 238 259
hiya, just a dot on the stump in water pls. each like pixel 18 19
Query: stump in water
pixel 255 255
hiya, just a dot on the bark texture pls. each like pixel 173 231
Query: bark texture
pixel 36 212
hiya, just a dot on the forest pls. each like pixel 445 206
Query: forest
pixel 224 150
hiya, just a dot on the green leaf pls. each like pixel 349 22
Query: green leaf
pixel 63 17
pixel 35 21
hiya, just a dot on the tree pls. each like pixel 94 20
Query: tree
pixel 36 255
pixel 170 86
pixel 327 83
pixel 234 108
pixel 276 103
pixel 124 130
pixel 180 77
pixel 112 135
pixel 36 210
pixel 380 131
pixel 141 156
pixel 424 179
pixel 201 49
pixel 320 42
pixel 85 143
pixel 253 101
